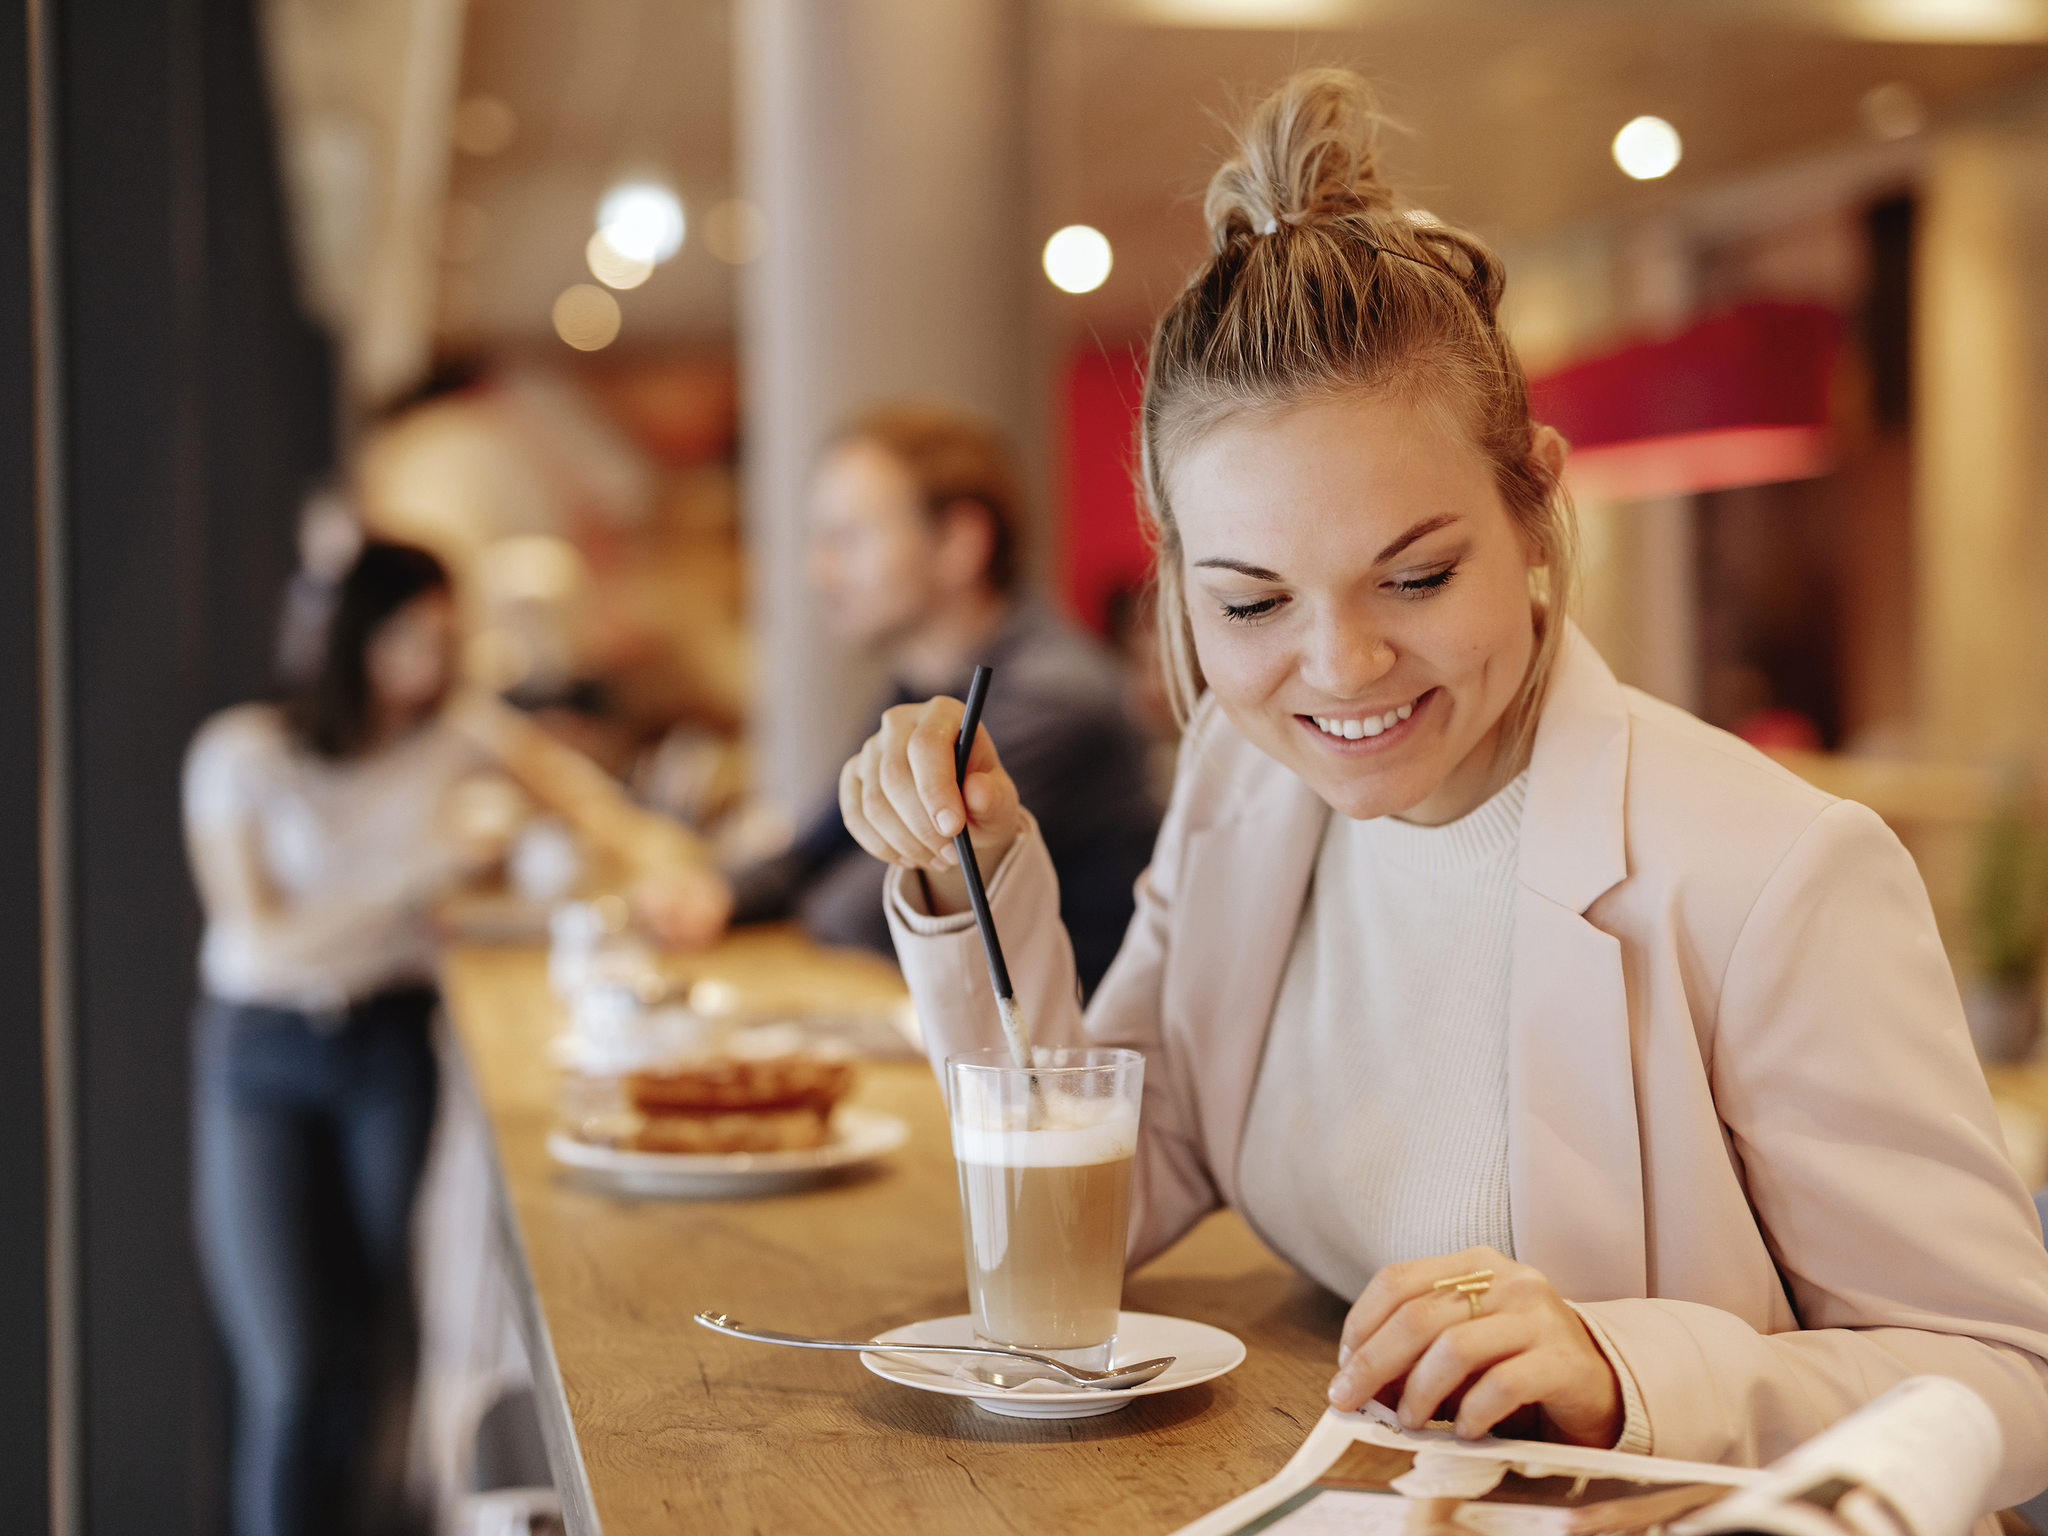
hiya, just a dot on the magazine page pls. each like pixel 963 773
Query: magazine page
pixel 1919 1461
pixel 1360 1473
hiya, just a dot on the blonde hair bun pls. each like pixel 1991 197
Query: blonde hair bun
pixel 1308 151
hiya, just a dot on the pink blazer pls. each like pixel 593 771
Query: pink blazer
pixel 1746 1129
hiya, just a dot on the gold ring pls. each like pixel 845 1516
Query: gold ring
pixel 1472 1287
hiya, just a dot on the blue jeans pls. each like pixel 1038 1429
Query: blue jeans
pixel 309 1135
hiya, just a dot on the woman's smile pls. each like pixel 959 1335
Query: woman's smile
pixel 1359 730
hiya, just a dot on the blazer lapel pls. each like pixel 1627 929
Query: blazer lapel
pixel 1575 1171
pixel 1243 889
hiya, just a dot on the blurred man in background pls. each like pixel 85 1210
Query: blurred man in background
pixel 916 552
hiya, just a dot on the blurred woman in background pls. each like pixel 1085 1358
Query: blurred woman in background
pixel 319 838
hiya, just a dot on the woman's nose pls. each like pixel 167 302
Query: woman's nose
pixel 1346 657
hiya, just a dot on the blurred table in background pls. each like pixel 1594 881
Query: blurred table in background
pixel 654 1424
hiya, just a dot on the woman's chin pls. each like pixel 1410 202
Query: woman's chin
pixel 1365 784
pixel 1364 791
pixel 1367 801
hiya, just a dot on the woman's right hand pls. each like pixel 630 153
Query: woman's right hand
pixel 901 803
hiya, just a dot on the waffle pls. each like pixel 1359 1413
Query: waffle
pixel 778 1082
pixel 780 1104
pixel 747 1130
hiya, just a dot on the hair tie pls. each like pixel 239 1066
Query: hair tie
pixel 1270 227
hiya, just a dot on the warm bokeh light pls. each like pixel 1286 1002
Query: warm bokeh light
pixel 733 231
pixel 1249 13
pixel 484 125
pixel 1892 111
pixel 1646 148
pixel 1077 259
pixel 611 268
pixel 586 317
pixel 1948 21
pixel 642 220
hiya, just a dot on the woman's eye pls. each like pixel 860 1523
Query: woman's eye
pixel 1242 613
pixel 1417 586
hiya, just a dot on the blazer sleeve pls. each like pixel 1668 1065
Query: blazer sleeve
pixel 942 962
pixel 1844 1075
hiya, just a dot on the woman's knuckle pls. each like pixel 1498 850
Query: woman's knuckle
pixel 1392 1280
pixel 1456 1347
pixel 1409 1327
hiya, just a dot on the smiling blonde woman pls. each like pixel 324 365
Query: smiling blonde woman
pixel 1456 958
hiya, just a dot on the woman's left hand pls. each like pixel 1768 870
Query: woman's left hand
pixel 1525 1347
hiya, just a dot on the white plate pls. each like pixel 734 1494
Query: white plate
pixel 858 1136
pixel 1201 1353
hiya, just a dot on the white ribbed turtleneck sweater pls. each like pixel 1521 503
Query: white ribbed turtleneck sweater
pixel 1378 1127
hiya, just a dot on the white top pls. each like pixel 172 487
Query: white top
pixel 1378 1129
pixel 352 852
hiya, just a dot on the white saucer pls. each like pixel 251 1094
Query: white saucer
pixel 1201 1353
pixel 858 1136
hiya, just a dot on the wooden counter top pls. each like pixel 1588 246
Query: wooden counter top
pixel 656 1425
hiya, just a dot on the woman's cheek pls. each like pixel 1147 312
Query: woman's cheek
pixel 1242 667
pixel 1486 636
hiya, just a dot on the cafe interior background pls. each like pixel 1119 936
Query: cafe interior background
pixel 572 293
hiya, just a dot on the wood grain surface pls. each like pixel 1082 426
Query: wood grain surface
pixel 681 1430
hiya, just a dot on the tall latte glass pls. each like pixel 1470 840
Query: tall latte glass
pixel 1045 1194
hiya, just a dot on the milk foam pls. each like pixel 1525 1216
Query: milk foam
pixel 1058 1146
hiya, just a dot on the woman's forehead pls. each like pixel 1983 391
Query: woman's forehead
pixel 1351 475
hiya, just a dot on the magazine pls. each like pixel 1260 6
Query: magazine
pixel 1916 1462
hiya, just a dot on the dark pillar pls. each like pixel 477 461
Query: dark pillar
pixel 195 409
pixel 24 1170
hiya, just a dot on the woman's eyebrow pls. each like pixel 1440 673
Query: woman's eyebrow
pixel 1256 572
pixel 1421 530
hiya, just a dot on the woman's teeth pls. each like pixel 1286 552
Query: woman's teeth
pixel 1371 725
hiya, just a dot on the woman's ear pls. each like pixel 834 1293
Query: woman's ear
pixel 1548 448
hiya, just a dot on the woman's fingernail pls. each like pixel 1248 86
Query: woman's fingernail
pixel 949 823
pixel 1343 1354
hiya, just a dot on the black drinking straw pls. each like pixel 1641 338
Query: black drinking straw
pixel 970 871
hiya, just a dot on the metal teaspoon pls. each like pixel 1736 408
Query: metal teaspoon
pixel 1134 1375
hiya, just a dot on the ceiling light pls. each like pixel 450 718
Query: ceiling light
pixel 586 317
pixel 1892 111
pixel 611 268
pixel 642 220
pixel 1248 13
pixel 1077 259
pixel 1949 21
pixel 1646 148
